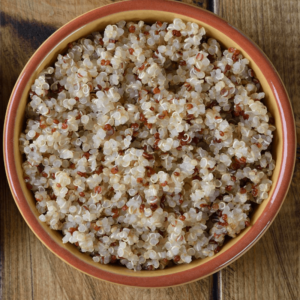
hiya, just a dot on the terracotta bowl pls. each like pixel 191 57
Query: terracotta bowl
pixel 150 11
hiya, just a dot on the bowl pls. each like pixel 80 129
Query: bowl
pixel 277 101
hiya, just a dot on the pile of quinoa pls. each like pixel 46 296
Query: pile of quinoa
pixel 147 145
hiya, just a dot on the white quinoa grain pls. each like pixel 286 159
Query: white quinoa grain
pixel 146 144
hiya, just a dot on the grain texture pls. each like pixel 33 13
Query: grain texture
pixel 270 270
pixel 27 269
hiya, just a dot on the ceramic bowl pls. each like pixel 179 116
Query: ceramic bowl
pixel 150 11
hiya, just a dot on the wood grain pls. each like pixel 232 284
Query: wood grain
pixel 270 270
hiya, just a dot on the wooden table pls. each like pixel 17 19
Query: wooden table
pixel 270 270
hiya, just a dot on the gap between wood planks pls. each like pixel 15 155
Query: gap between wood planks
pixel 216 288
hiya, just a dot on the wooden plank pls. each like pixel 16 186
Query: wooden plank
pixel 30 270
pixel 270 270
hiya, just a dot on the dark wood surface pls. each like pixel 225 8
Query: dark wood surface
pixel 270 270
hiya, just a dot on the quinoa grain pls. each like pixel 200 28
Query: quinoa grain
pixel 124 110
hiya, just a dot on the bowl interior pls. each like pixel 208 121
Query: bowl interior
pixel 148 16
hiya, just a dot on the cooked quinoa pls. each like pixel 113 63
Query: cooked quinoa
pixel 147 145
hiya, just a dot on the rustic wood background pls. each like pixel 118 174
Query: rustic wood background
pixel 270 270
